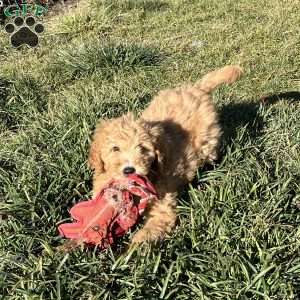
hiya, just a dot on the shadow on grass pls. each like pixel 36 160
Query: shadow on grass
pixel 292 96
pixel 236 115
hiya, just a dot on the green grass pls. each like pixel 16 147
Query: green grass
pixel 238 235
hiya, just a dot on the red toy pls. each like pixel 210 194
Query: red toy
pixel 111 213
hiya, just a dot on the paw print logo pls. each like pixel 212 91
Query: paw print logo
pixel 24 32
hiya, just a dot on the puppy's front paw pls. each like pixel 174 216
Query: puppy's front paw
pixel 146 235
pixel 68 246
pixel 140 237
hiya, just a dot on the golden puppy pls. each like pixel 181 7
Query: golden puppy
pixel 174 136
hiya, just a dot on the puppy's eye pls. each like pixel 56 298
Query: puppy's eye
pixel 143 149
pixel 115 149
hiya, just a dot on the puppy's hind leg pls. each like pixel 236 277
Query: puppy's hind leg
pixel 160 220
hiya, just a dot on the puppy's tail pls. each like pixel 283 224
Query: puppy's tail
pixel 227 74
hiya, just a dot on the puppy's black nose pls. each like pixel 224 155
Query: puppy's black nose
pixel 129 170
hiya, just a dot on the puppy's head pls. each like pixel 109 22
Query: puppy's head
pixel 124 146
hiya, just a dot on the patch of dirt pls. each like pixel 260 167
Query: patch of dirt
pixel 57 7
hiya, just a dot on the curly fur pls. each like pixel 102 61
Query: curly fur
pixel 174 136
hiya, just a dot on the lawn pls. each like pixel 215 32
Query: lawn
pixel 238 234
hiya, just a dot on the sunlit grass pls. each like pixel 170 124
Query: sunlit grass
pixel 238 226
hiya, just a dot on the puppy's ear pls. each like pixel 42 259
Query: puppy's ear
pixel 159 161
pixel 155 130
pixel 95 160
